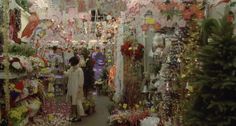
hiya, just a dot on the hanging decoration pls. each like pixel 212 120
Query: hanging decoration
pixel 132 50
pixel 170 14
pixel 112 7
pixel 15 24
pixel 170 9
pixel 92 4
pixel 81 6
pixel 192 11
pixel 30 27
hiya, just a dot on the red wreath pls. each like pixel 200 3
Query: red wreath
pixel 127 49
pixel 138 53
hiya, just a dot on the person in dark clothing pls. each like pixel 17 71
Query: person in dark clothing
pixel 88 71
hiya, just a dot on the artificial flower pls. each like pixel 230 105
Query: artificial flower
pixel 137 106
pixel 230 18
pixel 132 50
pixel 17 65
pixel 187 14
pixel 125 106
pixel 50 117
pixel 145 27
pixel 157 26
pixel 26 64
pixel 153 110
pixel 199 14
pixel 18 113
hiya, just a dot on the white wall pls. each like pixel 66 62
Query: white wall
pixel 218 11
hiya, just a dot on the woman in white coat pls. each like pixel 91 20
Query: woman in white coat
pixel 75 89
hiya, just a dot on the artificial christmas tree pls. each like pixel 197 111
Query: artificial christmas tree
pixel 214 98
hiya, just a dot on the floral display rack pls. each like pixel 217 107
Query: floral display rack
pixel 20 92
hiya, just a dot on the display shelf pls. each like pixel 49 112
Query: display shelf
pixel 12 75
pixel 26 97
pixel 59 85
pixel 33 107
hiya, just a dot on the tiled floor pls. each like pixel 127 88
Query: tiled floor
pixel 100 117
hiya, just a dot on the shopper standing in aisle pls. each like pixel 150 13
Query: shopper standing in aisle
pixel 99 65
pixel 75 89
pixel 88 71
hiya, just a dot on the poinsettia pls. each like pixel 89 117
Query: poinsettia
pixel 139 52
pixel 132 50
pixel 126 49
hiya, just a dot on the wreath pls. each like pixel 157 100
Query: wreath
pixel 132 50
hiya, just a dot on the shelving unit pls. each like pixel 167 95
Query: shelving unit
pixel 22 98
pixel 27 96
pixel 59 85
pixel 11 75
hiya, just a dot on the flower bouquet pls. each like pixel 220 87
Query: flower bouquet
pixel 37 62
pixel 34 106
pixel 120 119
pixel 150 121
pixel 26 63
pixel 136 116
pixel 16 66
pixel 18 114
pixel 126 49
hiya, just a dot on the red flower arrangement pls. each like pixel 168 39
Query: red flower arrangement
pixel 132 50
pixel 188 13
pixel 135 117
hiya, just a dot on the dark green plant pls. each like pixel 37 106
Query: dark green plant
pixel 213 102
pixel 104 75
pixel 207 26
pixel 22 49
pixel 24 4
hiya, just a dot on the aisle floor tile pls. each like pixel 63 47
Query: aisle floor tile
pixel 100 117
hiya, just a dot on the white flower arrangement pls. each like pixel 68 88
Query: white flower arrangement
pixel 26 63
pixel 37 62
pixel 17 65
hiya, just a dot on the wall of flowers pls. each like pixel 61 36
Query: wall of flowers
pixel 22 93
pixel 156 98
pixel 151 50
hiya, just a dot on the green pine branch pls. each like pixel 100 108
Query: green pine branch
pixel 213 102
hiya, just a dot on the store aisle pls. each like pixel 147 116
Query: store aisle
pixel 100 117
